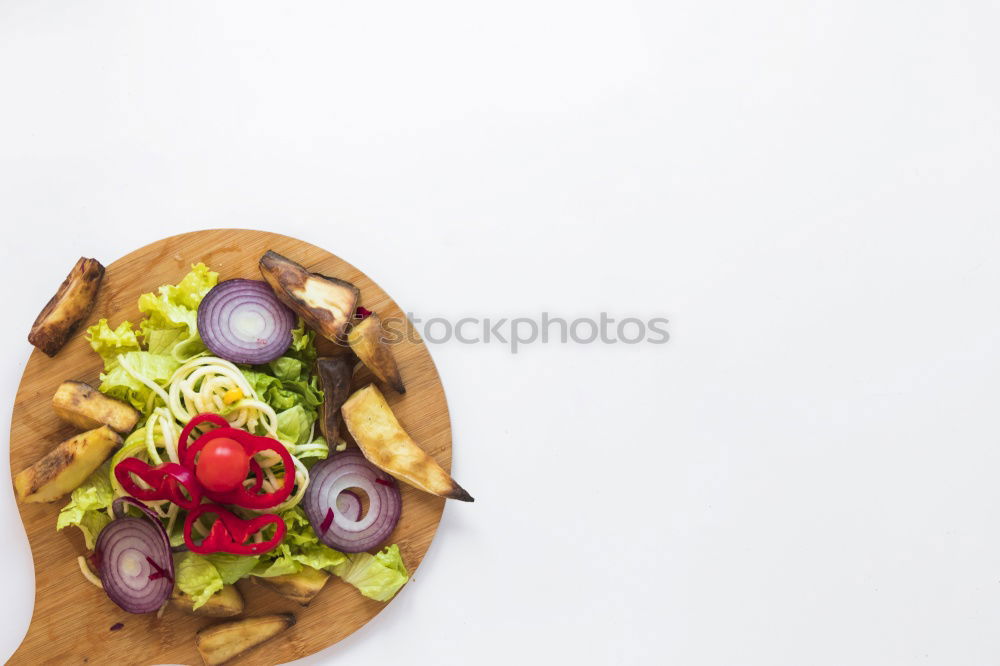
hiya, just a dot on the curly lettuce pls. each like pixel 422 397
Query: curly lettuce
pixel 377 576
pixel 170 325
pixel 196 577
pixel 121 379
pixel 110 342
pixel 300 547
pixel 87 508
pixel 169 330
pixel 201 576
pixel 289 386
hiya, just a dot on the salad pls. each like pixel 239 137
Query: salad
pixel 214 451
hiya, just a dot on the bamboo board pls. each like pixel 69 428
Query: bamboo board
pixel 72 619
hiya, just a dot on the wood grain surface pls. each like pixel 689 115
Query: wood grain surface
pixel 72 620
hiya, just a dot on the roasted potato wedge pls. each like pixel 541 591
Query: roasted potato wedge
pixel 66 466
pixel 327 304
pixel 335 379
pixel 301 587
pixel 79 404
pixel 227 602
pixel 387 446
pixel 366 340
pixel 220 643
pixel 71 305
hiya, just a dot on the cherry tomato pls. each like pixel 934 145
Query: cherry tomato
pixel 222 465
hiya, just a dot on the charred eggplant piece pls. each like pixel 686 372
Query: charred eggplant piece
pixel 220 643
pixel 325 303
pixel 66 466
pixel 387 446
pixel 227 602
pixel 301 587
pixel 70 306
pixel 367 340
pixel 80 405
pixel 335 380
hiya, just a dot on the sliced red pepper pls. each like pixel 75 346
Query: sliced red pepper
pixel 258 474
pixel 232 534
pixel 249 498
pixel 182 443
pixel 166 482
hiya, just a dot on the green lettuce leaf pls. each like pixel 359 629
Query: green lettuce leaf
pixel 192 287
pixel 231 568
pixel 286 368
pixel 116 382
pixel 311 452
pixel 201 576
pixel 196 577
pixel 170 325
pixel 163 340
pixel 301 390
pixel 319 556
pixel 169 330
pixel 294 425
pixel 109 343
pixel 87 507
pixel 303 347
pixel 288 385
pixel 300 547
pixel 298 531
pixel 377 576
pixel 277 562
pixel 134 445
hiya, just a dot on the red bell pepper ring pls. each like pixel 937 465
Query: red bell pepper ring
pixel 182 443
pixel 231 534
pixel 166 482
pixel 249 498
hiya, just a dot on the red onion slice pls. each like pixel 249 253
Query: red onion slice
pixel 118 508
pixel 243 321
pixel 331 511
pixel 134 560
pixel 349 504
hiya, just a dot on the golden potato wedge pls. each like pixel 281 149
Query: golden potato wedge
pixel 227 602
pixel 366 339
pixel 72 303
pixel 301 587
pixel 327 304
pixel 220 643
pixel 335 380
pixel 80 405
pixel 387 446
pixel 66 466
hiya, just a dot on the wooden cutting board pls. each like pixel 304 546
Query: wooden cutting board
pixel 73 620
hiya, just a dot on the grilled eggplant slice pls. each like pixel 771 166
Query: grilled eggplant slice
pixel 366 339
pixel 387 446
pixel 327 304
pixel 66 466
pixel 335 380
pixel 220 643
pixel 71 305
pixel 301 587
pixel 227 602
pixel 80 405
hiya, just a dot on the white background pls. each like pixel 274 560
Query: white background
pixel 806 473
